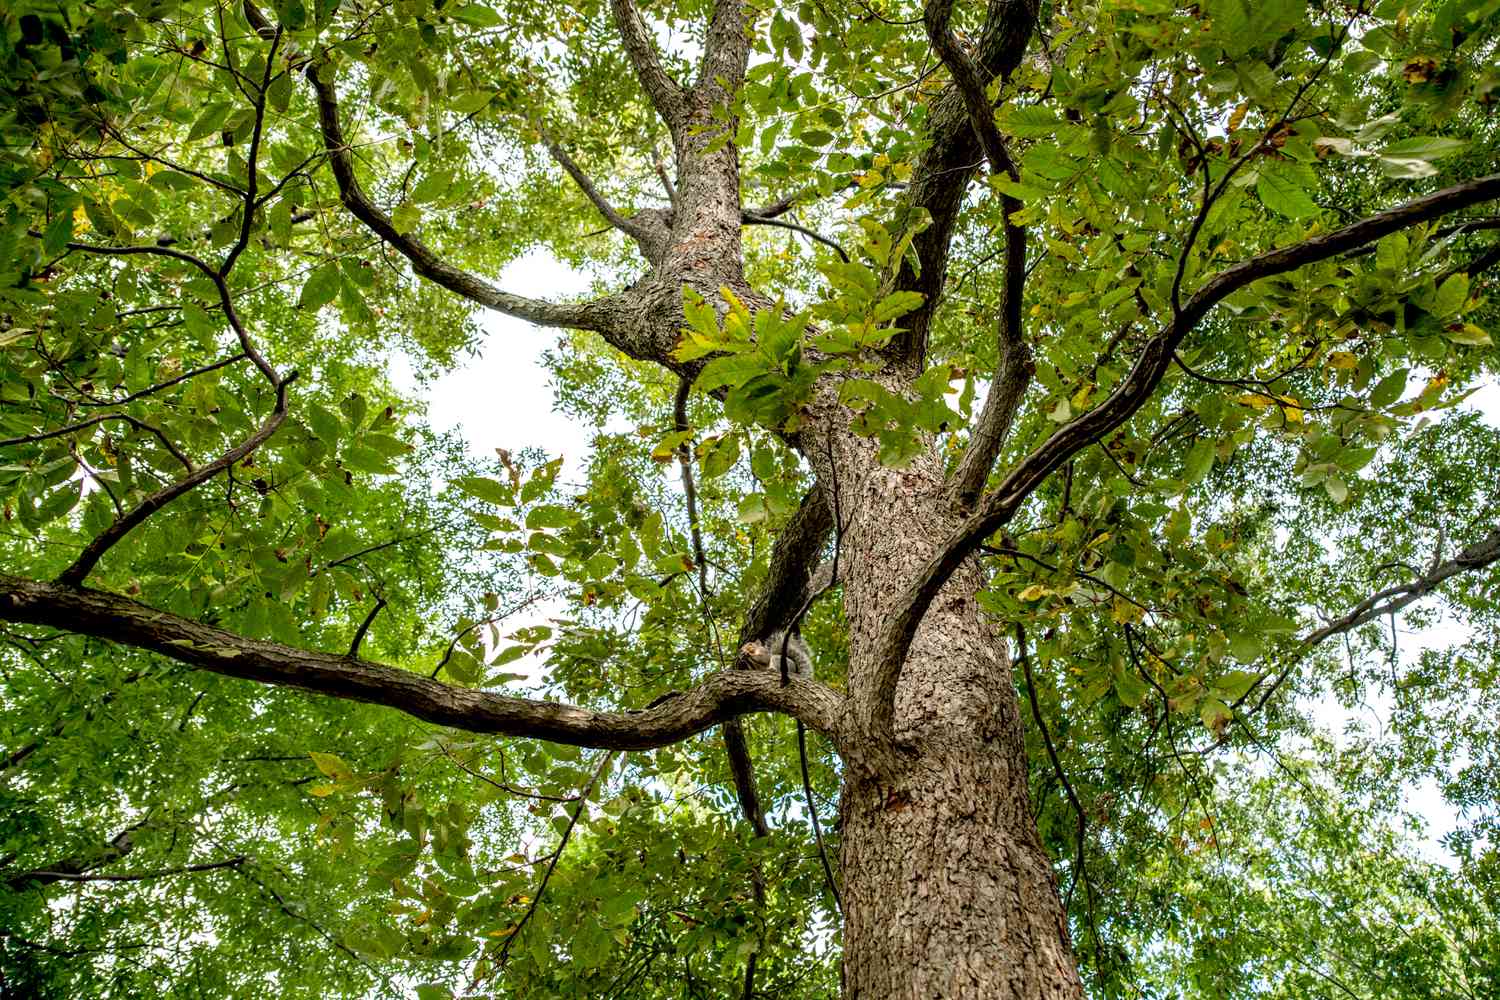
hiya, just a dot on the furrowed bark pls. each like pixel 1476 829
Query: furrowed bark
pixel 946 888
pixel 1000 505
pixel 680 715
pixel 665 93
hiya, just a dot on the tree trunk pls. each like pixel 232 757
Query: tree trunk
pixel 947 890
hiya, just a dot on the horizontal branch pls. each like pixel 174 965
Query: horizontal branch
pixel 750 219
pixel 83 425
pixel 424 261
pixel 1000 505
pixel 45 877
pixel 118 619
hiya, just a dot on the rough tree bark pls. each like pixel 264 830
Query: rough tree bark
pixel 947 890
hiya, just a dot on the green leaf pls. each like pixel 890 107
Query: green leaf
pixel 1389 389
pixel 321 288
pixel 550 516
pixel 1130 689
pixel 477 15
pixel 471 102
pixel 732 370
pixel 1424 148
pixel 489 490
pixel 1283 195
pixel 1451 295
pixel 897 304
pixel 59 232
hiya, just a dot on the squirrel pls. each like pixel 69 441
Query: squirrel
pixel 767 653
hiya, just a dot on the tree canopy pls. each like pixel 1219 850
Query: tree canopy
pixel 299 694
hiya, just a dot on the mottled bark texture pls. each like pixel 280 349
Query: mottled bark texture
pixel 947 889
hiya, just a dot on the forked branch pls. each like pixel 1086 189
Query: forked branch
pixel 1483 553
pixel 1009 388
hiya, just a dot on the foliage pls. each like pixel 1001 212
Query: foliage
pixel 1306 449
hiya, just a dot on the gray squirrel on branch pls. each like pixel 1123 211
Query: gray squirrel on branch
pixel 767 653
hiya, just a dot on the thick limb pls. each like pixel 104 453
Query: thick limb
pixel 118 619
pixel 426 263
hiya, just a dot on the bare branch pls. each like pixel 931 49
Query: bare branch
pixel 665 178
pixel 139 425
pixel 750 219
pixel 118 619
pixel 221 286
pixel 44 877
pixel 364 628
pixel 642 234
pixel 252 158
pixel 149 390
pixel 423 261
pixel 665 93
pixel 689 486
pixel 562 844
pixel 999 506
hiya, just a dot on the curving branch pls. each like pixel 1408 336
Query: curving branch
pixel 424 261
pixel 719 697
pixel 665 93
pixel 130 520
pixel 1000 505
pixel 1007 392
pixel 139 425
pixel 71 869
pixel 751 219
pixel 81 567
pixel 252 162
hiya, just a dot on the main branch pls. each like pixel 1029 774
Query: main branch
pixel 720 697
pixel 1009 389
pixel 665 93
pixel 999 506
